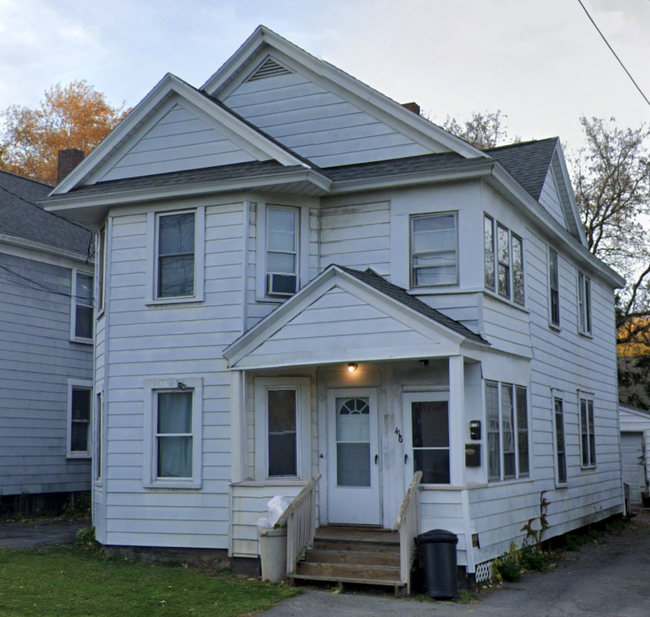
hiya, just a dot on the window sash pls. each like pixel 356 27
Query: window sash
pixel 173 443
pixel 83 306
pixel 282 432
pixel 282 245
pixel 587 433
pixel 493 430
pixel 503 261
pixel 98 438
pixel 554 286
pixel 518 288
pixel 523 458
pixel 175 260
pixel 434 251
pixel 584 303
pixel 560 442
pixel 488 240
pixel 80 404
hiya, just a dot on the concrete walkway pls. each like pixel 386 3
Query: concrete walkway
pixel 16 536
pixel 609 578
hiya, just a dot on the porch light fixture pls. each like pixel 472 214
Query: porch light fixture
pixel 352 366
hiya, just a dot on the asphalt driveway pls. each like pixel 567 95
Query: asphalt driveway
pixel 609 578
pixel 15 536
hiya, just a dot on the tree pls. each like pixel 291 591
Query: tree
pixel 72 116
pixel 483 130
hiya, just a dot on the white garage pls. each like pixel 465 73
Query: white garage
pixel 635 441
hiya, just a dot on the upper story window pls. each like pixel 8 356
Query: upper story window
pixel 584 303
pixel 504 261
pixel 554 286
pixel 175 255
pixel 507 431
pixel 434 250
pixel 82 307
pixel 282 244
pixel 587 433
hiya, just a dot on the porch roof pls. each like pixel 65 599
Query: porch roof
pixel 346 315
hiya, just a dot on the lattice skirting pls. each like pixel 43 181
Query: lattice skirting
pixel 483 572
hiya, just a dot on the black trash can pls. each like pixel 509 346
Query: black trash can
pixel 438 560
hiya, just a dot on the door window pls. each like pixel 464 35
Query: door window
pixel 352 442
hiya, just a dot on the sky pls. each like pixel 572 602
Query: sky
pixel 540 62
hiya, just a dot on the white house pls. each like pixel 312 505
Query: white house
pixel 299 276
pixel 46 357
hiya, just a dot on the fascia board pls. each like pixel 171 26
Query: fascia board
pixel 421 130
pixel 551 227
pixel 568 186
pixel 127 196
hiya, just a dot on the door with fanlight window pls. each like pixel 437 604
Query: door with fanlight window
pixel 353 457
pixel 426 437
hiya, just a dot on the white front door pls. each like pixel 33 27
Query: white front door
pixel 353 457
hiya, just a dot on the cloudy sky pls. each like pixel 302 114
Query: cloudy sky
pixel 541 62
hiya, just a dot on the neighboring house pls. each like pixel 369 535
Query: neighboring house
pixel 301 276
pixel 635 442
pixel 46 355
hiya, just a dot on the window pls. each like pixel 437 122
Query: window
pixel 282 428
pixel 98 438
pixel 434 250
pixel 560 444
pixel 554 286
pixel 503 261
pixel 175 256
pixel 173 429
pixel 281 251
pixel 507 431
pixel 587 433
pixel 584 304
pixel 101 267
pixel 82 307
pixel 430 436
pixel 79 413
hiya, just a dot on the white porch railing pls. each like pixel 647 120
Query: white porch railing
pixel 408 525
pixel 300 519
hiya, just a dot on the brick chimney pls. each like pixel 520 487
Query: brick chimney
pixel 414 107
pixel 68 160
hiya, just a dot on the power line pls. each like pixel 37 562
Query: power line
pixel 615 55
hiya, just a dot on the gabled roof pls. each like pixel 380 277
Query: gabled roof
pixel 375 102
pixel 22 219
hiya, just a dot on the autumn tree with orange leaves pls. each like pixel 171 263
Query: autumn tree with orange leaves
pixel 72 116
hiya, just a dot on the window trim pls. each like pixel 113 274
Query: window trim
pixel 413 217
pixel 407 421
pixel 592 461
pixel 79 384
pixel 100 270
pixel 558 397
pixel 302 385
pixel 495 225
pixel 585 324
pixel 500 385
pixel 551 320
pixel 302 268
pixel 73 307
pixel 151 389
pixel 98 431
pixel 151 294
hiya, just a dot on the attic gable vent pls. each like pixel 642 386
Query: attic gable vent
pixel 269 68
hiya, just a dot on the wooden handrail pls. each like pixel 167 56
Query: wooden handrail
pixel 407 525
pixel 412 489
pixel 303 494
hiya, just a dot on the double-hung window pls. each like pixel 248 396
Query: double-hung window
pixel 82 307
pixel 554 286
pixel 434 252
pixel 584 304
pixel 282 243
pixel 503 261
pixel 175 255
pixel 507 431
pixel 173 428
pixel 560 442
pixel 587 433
pixel 79 414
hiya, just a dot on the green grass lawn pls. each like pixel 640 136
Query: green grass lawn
pixel 70 582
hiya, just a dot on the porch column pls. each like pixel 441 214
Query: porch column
pixel 456 407
pixel 237 426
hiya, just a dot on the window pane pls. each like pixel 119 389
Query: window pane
pixel 493 433
pixel 489 252
pixel 281 263
pixel 352 424
pixel 434 465
pixel 522 431
pixel 435 276
pixel 587 305
pixel 517 270
pixel 434 233
pixel 504 281
pixel 176 276
pixel 559 441
pixel 503 245
pixel 174 457
pixel 83 325
pixel 282 433
pixel 353 464
pixel 79 437
pixel 430 421
pixel 281 230
pixel 81 404
pixel 84 291
pixel 507 430
pixel 175 412
pixel 176 234
pixel 98 438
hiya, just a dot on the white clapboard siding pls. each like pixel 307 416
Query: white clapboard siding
pixel 550 198
pixel 176 142
pixel 36 361
pixel 444 510
pixel 318 124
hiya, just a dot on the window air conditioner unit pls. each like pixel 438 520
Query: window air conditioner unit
pixel 282 284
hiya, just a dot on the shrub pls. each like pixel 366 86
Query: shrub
pixel 532 559
pixel 507 568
